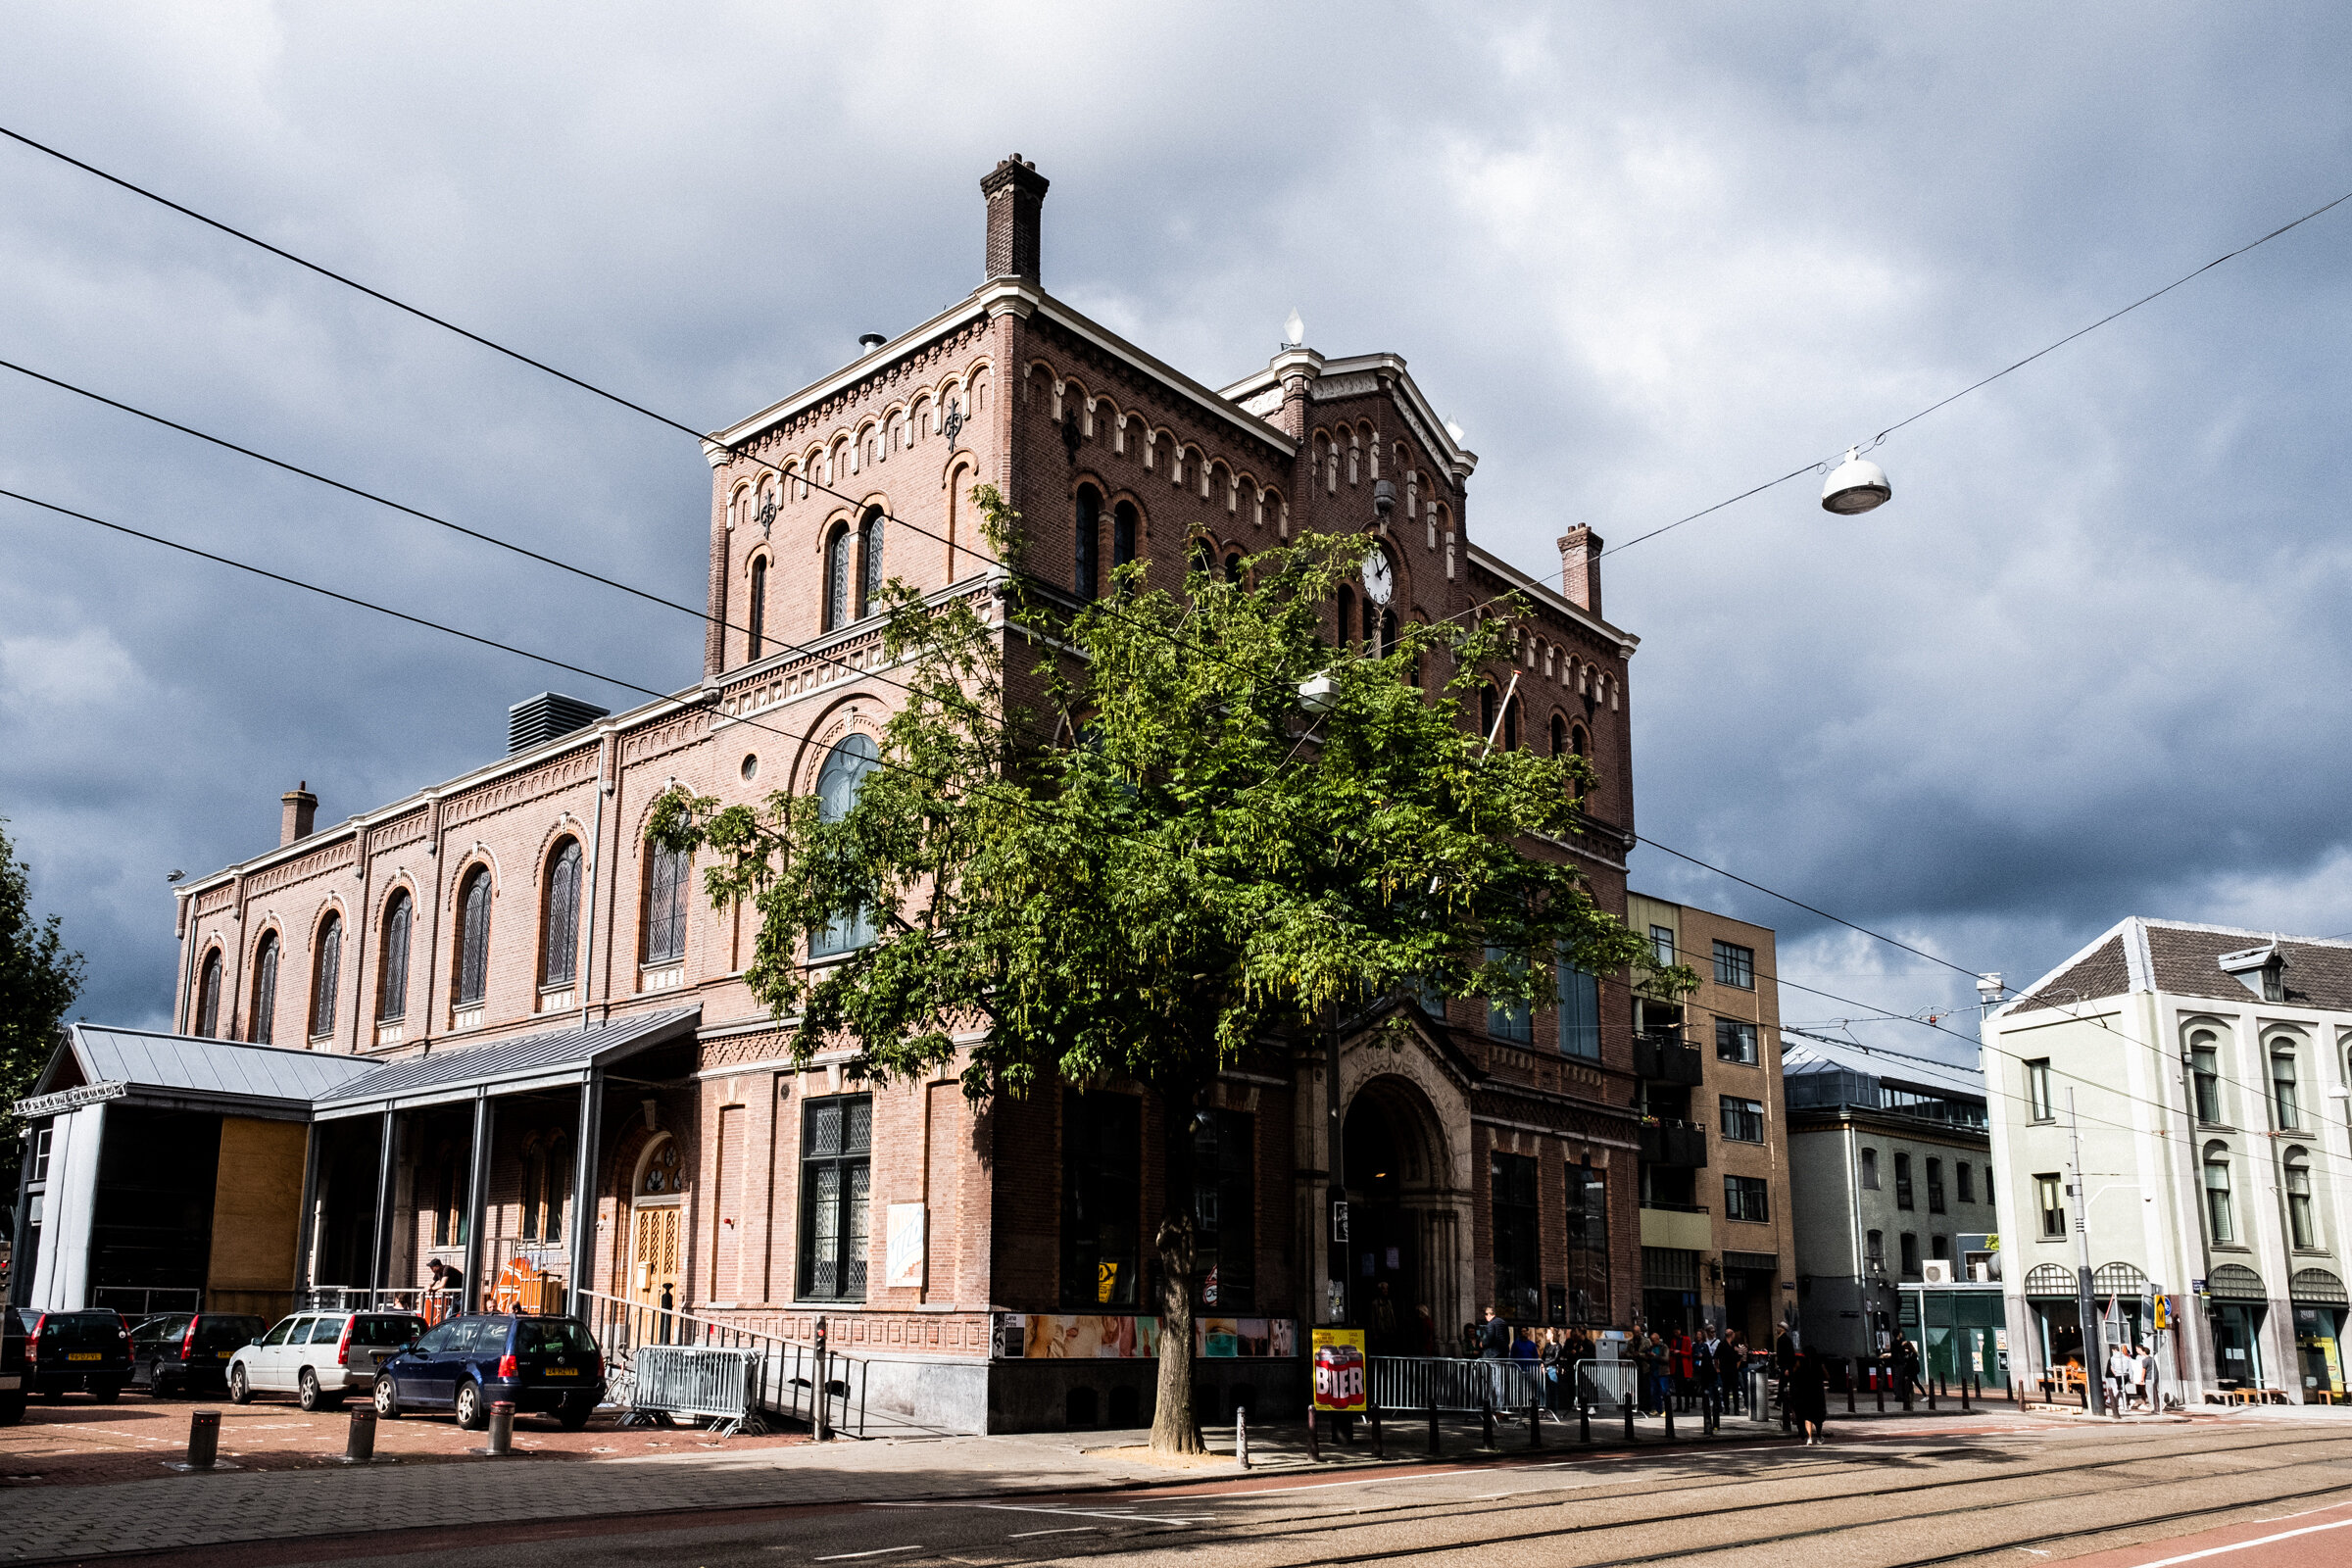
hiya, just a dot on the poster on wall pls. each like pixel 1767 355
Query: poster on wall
pixel 1340 1381
pixel 902 1254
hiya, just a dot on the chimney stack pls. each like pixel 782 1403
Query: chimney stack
pixel 1016 198
pixel 1580 568
pixel 301 811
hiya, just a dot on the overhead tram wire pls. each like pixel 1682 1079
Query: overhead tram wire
pixel 811 482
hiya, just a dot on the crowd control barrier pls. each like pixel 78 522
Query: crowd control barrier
pixel 686 1380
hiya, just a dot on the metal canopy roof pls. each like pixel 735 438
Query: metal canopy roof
pixel 508 1067
pixel 194 1073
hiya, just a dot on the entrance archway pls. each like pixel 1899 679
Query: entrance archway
pixel 1405 1223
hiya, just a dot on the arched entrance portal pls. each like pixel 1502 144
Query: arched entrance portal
pixel 1405 1222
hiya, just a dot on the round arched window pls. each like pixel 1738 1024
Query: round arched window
pixel 664 1175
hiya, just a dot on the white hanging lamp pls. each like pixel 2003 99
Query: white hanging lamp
pixel 1855 485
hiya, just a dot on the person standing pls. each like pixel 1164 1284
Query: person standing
pixel 1703 1374
pixel 2123 1368
pixel 1730 1371
pixel 1809 1398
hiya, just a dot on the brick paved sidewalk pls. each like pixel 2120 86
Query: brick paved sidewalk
pixel 68 1522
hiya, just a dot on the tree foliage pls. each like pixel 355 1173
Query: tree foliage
pixel 1127 851
pixel 38 981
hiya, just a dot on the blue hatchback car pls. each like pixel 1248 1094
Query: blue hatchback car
pixel 545 1365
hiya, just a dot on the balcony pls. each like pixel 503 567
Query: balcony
pixel 1674 1142
pixel 1663 1057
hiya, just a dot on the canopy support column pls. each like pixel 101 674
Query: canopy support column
pixel 379 1250
pixel 583 1184
pixel 478 1191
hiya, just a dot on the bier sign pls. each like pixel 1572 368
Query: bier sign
pixel 1340 1369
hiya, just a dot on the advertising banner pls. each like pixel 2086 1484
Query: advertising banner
pixel 1339 1370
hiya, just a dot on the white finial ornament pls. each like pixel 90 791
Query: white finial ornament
pixel 1294 331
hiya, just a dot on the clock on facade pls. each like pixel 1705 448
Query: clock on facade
pixel 1380 579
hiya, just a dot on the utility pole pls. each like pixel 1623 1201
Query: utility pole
pixel 2085 1308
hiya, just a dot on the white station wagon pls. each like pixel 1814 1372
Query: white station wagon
pixel 319 1357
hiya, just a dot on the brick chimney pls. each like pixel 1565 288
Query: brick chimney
pixel 1580 568
pixel 301 811
pixel 1016 199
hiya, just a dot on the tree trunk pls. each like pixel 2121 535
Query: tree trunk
pixel 1175 1430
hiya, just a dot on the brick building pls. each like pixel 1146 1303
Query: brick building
pixel 571 1077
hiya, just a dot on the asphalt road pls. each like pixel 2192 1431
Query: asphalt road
pixel 2267 1495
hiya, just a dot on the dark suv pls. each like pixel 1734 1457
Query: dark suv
pixel 13 1368
pixel 547 1364
pixel 187 1353
pixel 86 1349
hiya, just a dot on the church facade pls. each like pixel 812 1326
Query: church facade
pixel 566 1072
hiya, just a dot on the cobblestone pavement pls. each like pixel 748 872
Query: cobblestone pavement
pixel 272 1501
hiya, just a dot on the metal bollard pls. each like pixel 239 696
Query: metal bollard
pixel 358 1446
pixel 1314 1444
pixel 1584 1422
pixel 1668 1401
pixel 1853 1373
pixel 1380 1448
pixel 1906 1391
pixel 1433 1442
pixel 1964 1393
pixel 1535 1423
pixel 1931 1393
pixel 204 1439
pixel 1628 1418
pixel 1241 1435
pixel 502 1428
pixel 1486 1418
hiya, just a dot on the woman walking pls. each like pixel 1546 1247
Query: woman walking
pixel 1809 1397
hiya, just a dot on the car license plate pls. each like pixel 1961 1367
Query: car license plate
pixel 11 1380
pixel 85 1356
pixel 223 1355
pixel 562 1371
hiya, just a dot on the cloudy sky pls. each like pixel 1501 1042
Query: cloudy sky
pixel 2085 666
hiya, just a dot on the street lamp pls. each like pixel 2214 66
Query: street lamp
pixel 1855 485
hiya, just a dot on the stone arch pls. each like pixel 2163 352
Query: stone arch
pixel 1409 1123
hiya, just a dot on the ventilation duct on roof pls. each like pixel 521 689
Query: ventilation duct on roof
pixel 544 717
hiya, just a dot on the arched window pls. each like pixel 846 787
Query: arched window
pixel 2218 1215
pixel 1559 736
pixel 473 936
pixel 2285 1097
pixel 1122 533
pixel 837 785
pixel 207 995
pixel 665 879
pixel 560 917
pixel 1386 644
pixel 264 990
pixel 1089 526
pixel 2205 1075
pixel 392 974
pixel 1486 708
pixel 1347 615
pixel 2302 1225
pixel 870 561
pixel 758 613
pixel 326 968
pixel 1233 566
pixel 545 1172
pixel 838 573
pixel 1510 726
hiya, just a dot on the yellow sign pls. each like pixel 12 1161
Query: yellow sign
pixel 1339 1370
pixel 2164 1311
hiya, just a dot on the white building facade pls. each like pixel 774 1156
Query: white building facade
pixel 2203 1070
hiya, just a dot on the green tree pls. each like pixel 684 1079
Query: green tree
pixel 1159 861
pixel 38 981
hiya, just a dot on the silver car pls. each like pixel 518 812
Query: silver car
pixel 319 1357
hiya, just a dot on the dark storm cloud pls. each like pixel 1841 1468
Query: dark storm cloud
pixel 2087 663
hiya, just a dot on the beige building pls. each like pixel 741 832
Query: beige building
pixel 1717 1241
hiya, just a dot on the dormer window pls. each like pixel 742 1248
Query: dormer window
pixel 2261 970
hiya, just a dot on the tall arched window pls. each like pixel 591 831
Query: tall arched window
pixel 2205 1075
pixel 1388 634
pixel 869 562
pixel 1122 533
pixel 2218 1217
pixel 2285 1097
pixel 392 975
pixel 560 917
pixel 1346 610
pixel 326 968
pixel 838 573
pixel 837 785
pixel 758 612
pixel 1559 736
pixel 473 937
pixel 1486 708
pixel 264 990
pixel 207 995
pixel 665 879
pixel 1510 726
pixel 1087 531
pixel 2301 1223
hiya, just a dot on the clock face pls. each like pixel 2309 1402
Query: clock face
pixel 1380 580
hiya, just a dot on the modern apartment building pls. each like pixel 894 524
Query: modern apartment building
pixel 1892 1167
pixel 1717 1243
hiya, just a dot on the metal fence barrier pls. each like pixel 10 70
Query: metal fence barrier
pixel 1604 1385
pixel 1433 1383
pixel 687 1380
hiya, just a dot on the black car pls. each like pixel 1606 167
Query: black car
pixel 187 1353
pixel 90 1349
pixel 14 1370
pixel 545 1365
